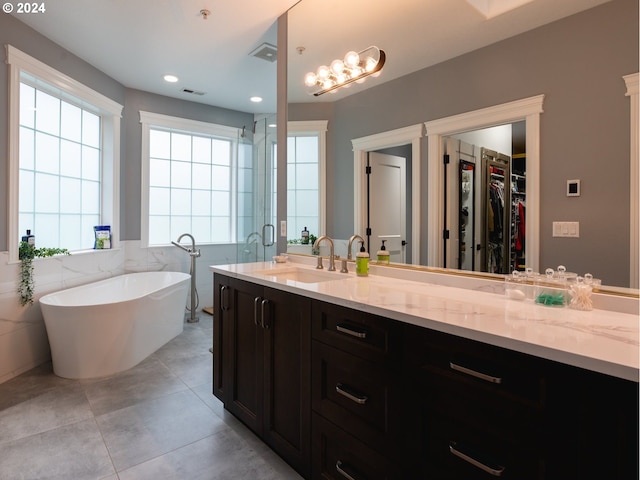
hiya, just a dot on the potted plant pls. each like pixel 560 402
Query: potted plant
pixel 26 253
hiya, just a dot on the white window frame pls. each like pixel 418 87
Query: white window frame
pixel 319 128
pixel 65 88
pixel 148 120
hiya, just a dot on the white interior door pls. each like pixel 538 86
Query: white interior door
pixel 387 204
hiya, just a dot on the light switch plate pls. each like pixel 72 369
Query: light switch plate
pixel 283 228
pixel 566 229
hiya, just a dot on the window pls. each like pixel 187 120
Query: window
pixel 63 157
pixel 306 184
pixel 188 177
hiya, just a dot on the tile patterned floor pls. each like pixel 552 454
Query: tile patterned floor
pixel 158 420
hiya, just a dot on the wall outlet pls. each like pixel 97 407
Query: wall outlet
pixel 566 229
pixel 283 228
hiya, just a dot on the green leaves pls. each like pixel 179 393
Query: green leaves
pixel 26 254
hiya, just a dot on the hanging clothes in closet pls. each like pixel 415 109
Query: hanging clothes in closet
pixel 495 247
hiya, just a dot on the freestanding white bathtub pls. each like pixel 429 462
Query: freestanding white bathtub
pixel 105 327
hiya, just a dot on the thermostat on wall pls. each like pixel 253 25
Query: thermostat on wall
pixel 573 188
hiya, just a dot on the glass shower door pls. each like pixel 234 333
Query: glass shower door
pixel 256 199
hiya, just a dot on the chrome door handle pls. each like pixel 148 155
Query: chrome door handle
pixel 495 470
pixel 341 471
pixel 354 397
pixel 264 232
pixel 256 303
pixel 475 373
pixel 263 304
pixel 224 303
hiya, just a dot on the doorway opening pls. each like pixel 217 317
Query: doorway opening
pixel 527 110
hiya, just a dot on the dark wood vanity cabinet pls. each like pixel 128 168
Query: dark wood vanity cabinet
pixel 262 364
pixel 356 395
pixel 343 394
pixel 487 412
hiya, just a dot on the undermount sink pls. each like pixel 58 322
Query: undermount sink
pixel 303 275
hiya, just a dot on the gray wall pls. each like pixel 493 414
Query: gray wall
pixel 24 38
pixel 578 64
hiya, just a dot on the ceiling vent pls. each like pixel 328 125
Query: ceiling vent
pixel 192 92
pixel 266 51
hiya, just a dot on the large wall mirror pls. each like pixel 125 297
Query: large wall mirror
pixel 445 60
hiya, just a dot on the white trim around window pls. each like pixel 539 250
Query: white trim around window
pixel 188 126
pixel 317 127
pixel 44 77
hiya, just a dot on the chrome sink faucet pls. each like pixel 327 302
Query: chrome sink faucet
pixel 353 237
pixel 332 258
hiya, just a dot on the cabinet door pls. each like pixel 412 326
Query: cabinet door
pixel 221 300
pixel 287 394
pixel 244 354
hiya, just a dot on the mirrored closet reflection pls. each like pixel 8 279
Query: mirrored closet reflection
pixel 486 199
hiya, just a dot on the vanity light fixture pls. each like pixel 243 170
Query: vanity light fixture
pixel 355 67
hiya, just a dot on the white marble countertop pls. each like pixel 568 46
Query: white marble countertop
pixel 599 340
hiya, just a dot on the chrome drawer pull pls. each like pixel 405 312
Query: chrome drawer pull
pixel 496 471
pixel 359 399
pixel 474 373
pixel 342 472
pixel 351 331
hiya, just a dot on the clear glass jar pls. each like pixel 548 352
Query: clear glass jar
pixel 551 289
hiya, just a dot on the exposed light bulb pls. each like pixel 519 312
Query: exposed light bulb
pixel 351 59
pixel 370 64
pixel 328 83
pixel 310 79
pixel 323 72
pixel 337 66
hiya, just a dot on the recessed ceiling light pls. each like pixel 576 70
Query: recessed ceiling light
pixel 170 78
pixel 256 99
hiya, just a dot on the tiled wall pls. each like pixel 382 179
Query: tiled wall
pixel 23 338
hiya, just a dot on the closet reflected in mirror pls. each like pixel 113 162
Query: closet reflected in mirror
pixel 485 199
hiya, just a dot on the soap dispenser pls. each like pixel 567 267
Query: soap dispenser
pixel 305 236
pixel 383 255
pixel 362 262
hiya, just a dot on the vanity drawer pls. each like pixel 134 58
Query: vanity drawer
pixel 481 370
pixel 455 451
pixel 360 396
pixel 339 456
pixel 368 336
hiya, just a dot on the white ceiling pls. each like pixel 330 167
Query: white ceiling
pixel 137 42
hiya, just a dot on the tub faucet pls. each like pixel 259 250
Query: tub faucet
pixel 332 261
pixel 353 237
pixel 193 253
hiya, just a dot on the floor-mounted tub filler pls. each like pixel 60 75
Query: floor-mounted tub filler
pixel 105 327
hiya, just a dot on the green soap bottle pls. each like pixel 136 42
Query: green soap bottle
pixel 362 262
pixel 383 255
